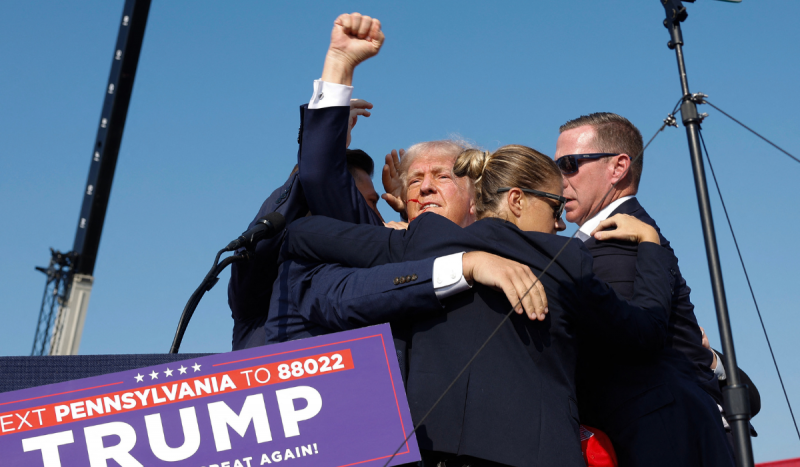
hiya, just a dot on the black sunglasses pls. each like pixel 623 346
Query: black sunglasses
pixel 556 211
pixel 569 164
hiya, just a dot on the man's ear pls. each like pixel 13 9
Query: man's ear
pixel 619 166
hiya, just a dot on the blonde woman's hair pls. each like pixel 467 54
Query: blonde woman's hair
pixel 512 166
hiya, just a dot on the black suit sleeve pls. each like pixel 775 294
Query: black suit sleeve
pixel 642 324
pixel 320 239
pixel 329 188
pixel 341 298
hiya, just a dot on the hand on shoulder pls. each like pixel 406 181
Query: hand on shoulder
pixel 627 228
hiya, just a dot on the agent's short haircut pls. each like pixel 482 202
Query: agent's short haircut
pixel 358 159
pixel 616 134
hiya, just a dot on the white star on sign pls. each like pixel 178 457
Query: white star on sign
pixel 168 372
pixel 139 378
pixel 154 375
pixel 182 369
pixel 196 367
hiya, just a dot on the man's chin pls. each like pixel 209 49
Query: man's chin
pixel 571 217
pixel 438 211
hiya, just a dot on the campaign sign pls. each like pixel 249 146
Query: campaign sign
pixel 334 400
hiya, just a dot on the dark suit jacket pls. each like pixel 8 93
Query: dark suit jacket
pixel 311 299
pixel 323 185
pixel 614 262
pixel 516 403
pixel 639 401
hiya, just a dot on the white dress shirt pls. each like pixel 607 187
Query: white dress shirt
pixel 585 232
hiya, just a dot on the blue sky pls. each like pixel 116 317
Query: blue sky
pixel 212 130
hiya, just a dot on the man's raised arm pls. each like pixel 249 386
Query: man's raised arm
pixel 330 189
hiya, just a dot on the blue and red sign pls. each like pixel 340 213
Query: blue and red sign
pixel 334 400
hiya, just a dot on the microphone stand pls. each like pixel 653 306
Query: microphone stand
pixel 208 282
pixel 737 402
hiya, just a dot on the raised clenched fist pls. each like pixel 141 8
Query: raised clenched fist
pixel 355 38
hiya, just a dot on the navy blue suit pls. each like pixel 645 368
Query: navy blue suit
pixel 322 185
pixel 516 403
pixel 639 402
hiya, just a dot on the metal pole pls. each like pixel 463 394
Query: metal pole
pixel 737 403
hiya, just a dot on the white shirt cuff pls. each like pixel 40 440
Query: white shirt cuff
pixel 720 369
pixel 448 276
pixel 330 95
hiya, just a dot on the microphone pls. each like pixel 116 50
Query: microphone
pixel 266 227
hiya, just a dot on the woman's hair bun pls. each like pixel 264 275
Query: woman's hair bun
pixel 471 163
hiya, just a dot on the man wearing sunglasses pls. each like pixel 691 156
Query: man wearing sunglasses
pixel 640 404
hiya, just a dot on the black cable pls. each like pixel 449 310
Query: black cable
pixel 747 277
pixel 751 131
pixel 508 315
pixel 208 282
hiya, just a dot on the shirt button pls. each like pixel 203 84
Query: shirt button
pixel 439 280
pixel 321 96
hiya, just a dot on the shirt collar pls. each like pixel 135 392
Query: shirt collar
pixel 584 233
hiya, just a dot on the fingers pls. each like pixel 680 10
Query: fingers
pixel 355 23
pixel 515 280
pixel 394 202
pixel 392 162
pixel 542 308
pixel 527 303
pixel 361 26
pixel 388 175
pixel 705 341
pixel 626 228
pixel 364 27
pixel 345 22
pixel 534 298
pixel 360 104
pixel 391 176
pixel 376 34
pixel 355 113
pixel 396 225
pixel 605 224
pixel 525 293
